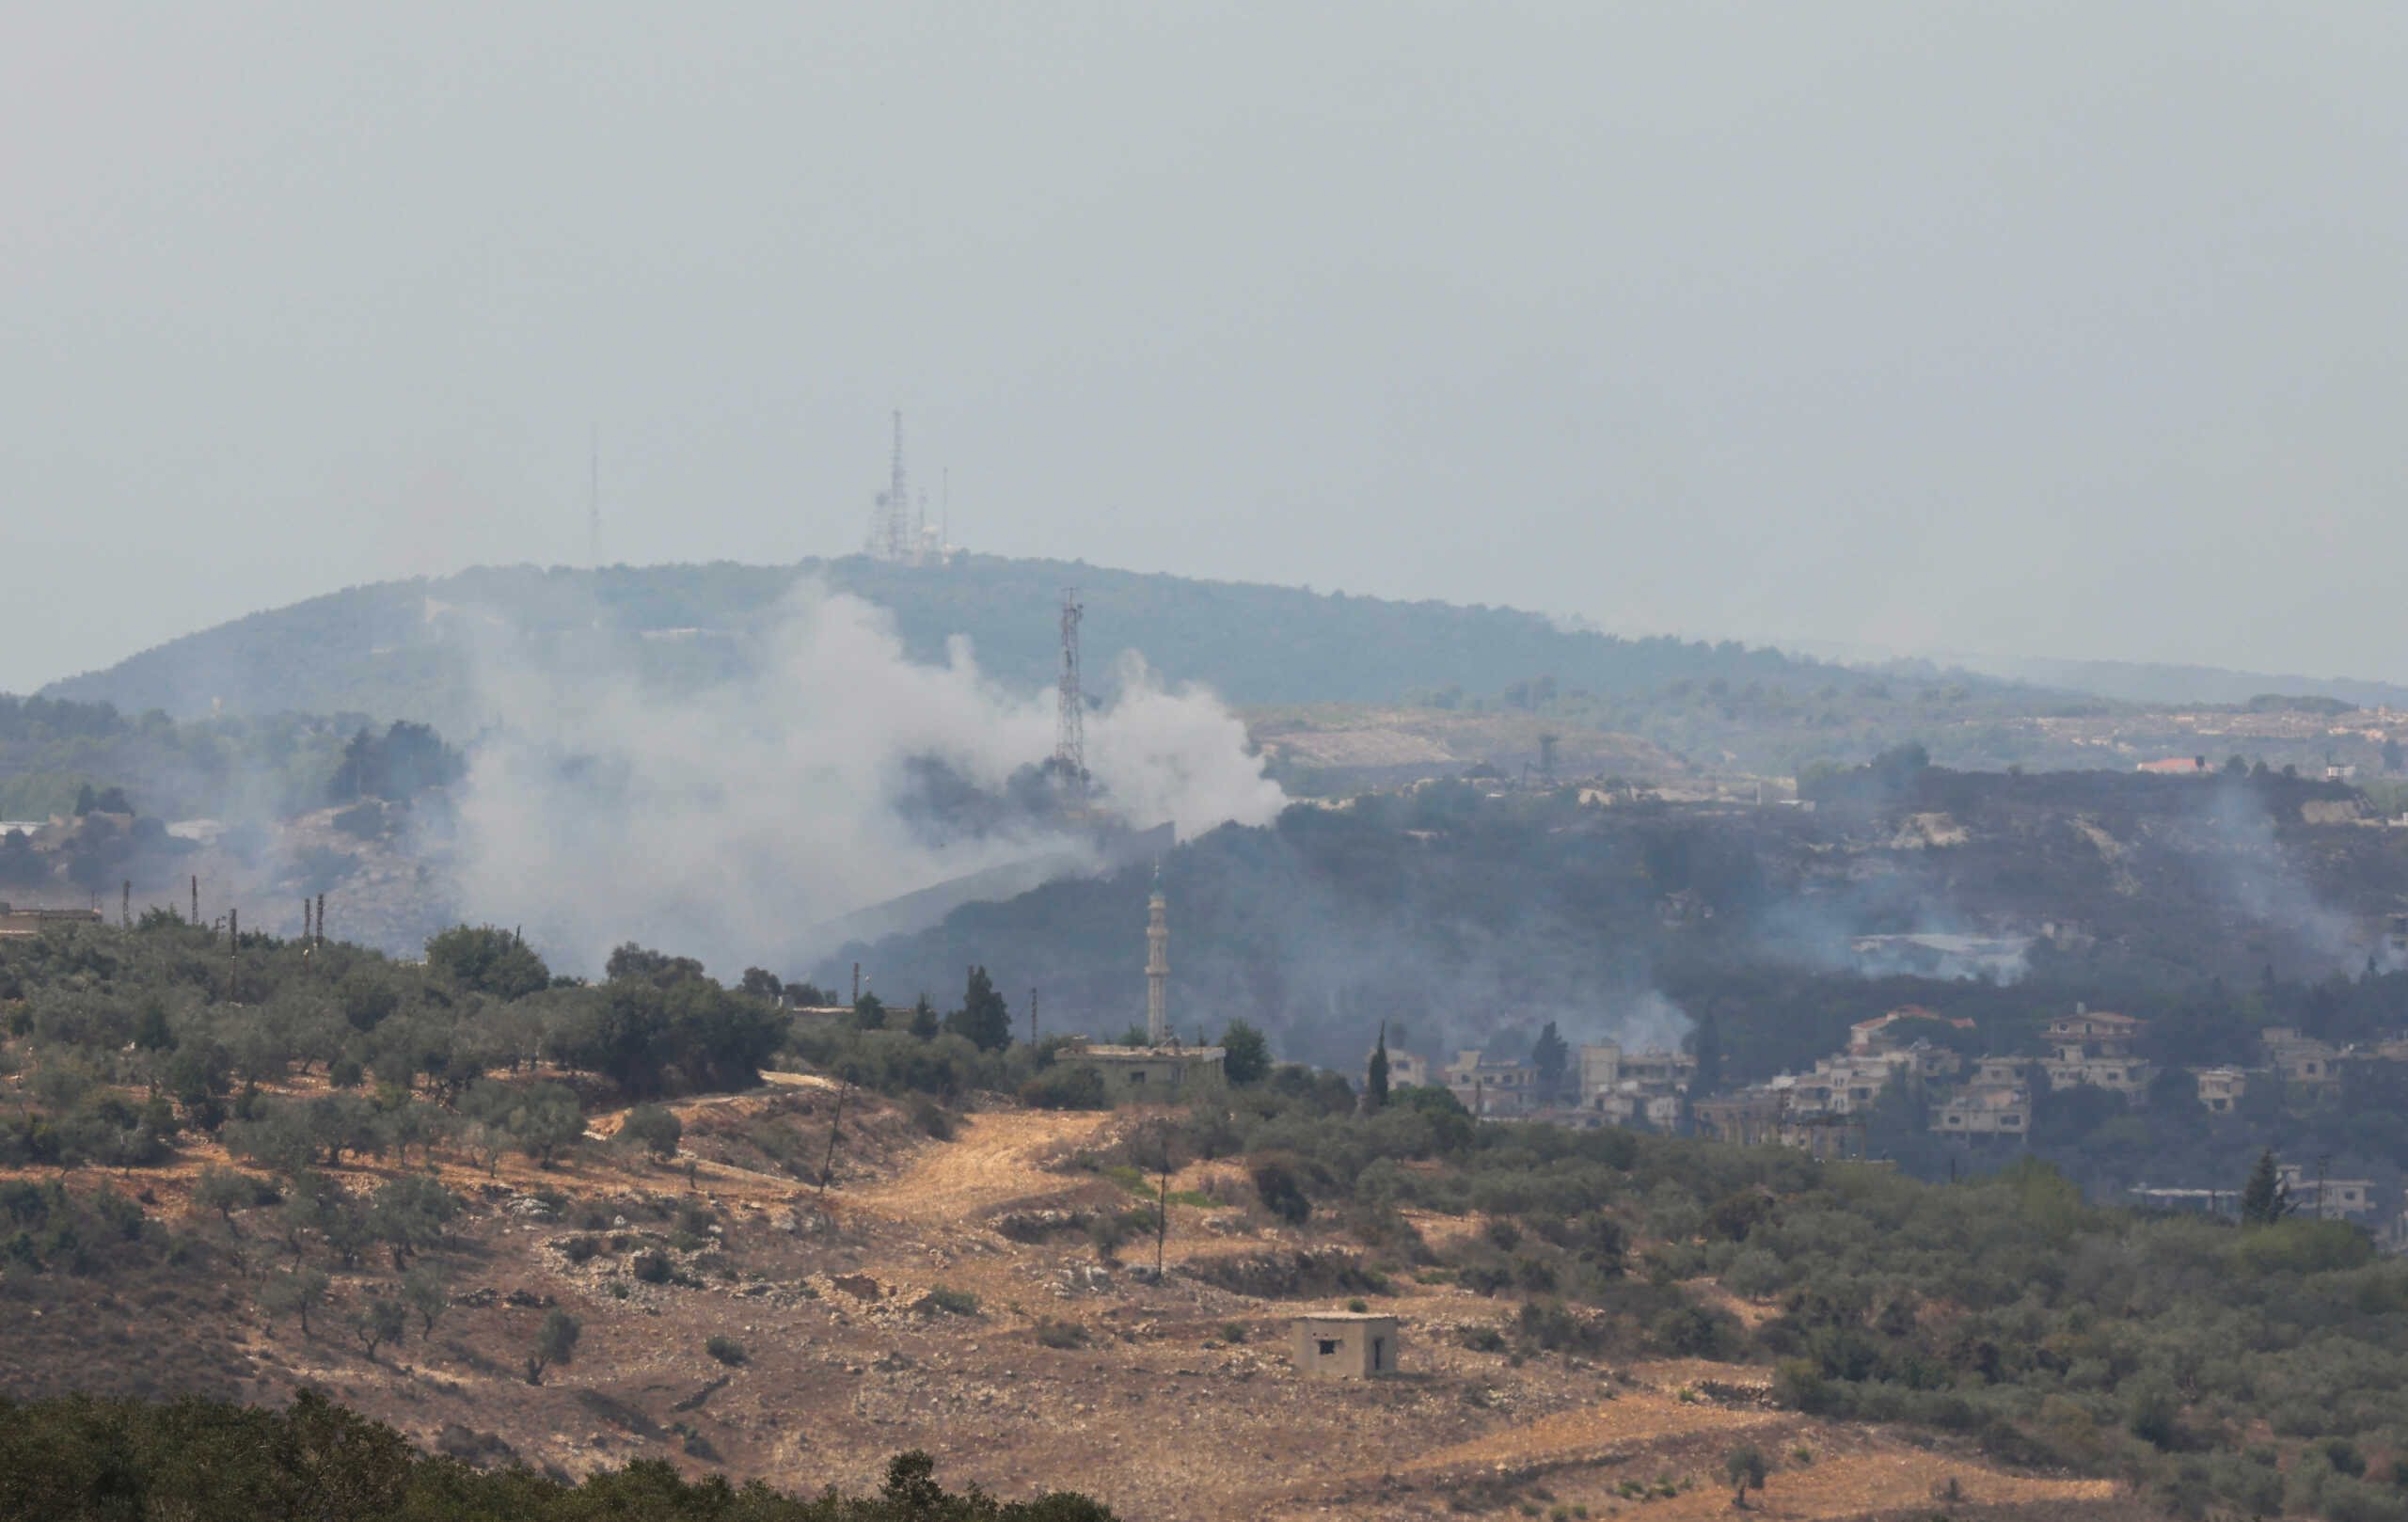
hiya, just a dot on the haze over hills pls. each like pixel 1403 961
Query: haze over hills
pixel 394 650
pixel 391 649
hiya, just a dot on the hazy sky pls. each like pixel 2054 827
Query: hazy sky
pixel 2049 329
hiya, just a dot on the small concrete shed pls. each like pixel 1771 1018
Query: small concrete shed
pixel 1345 1344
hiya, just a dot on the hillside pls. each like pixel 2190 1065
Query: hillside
pixel 1588 1320
pixel 1464 916
pixel 402 649
pixel 1170 1401
pixel 975 1285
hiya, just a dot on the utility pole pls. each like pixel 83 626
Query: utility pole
pixel 195 898
pixel 322 921
pixel 827 1170
pixel 857 982
pixel 1031 1017
pixel 233 949
pixel 125 906
pixel 2322 1160
pixel 1161 1209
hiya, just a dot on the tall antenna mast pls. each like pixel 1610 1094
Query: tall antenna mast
pixel 1069 709
pixel 593 497
pixel 898 502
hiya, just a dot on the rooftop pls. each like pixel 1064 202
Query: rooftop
pixel 1096 1049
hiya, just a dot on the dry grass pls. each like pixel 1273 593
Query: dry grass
pixel 849 1362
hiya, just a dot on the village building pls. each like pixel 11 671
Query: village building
pixel 2094 1047
pixel 1868 1037
pixel 1344 1344
pixel 1996 1103
pixel 1600 1064
pixel 1488 1087
pixel 2220 1089
pixel 1749 1117
pixel 1133 1071
pixel 24 922
pixel 2326 1197
pixel 1405 1069
pixel 1162 1065
pixel 2301 1059
pixel 1825 1138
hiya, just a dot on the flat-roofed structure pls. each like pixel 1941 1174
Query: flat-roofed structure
pixel 1344 1344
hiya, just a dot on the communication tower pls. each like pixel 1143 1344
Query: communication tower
pixel 1069 708
pixel 593 497
pixel 890 526
pixel 898 525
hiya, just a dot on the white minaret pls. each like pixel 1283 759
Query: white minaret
pixel 1158 965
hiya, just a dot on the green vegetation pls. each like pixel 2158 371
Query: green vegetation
pixel 2004 1308
pixel 653 1129
pixel 83 1460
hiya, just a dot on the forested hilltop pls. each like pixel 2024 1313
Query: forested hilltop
pixel 389 650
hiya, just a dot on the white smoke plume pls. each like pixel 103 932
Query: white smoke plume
pixel 724 819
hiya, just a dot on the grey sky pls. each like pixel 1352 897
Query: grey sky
pixel 2052 329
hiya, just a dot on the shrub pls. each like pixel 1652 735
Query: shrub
pixel 658 1131
pixel 1744 1467
pixel 1481 1339
pixel 1755 1273
pixel 1108 1232
pixel 1234 1331
pixel 1060 1334
pixel 652 1268
pixel 1277 1183
pixel 726 1350
pixel 932 1120
pixel 954 1302
pixel 579 1249
pixel 1074 1085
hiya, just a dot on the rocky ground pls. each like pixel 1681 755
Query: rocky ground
pixel 938 1297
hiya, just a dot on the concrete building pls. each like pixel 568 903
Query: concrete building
pixel 1344 1344
pixel 22 922
pixel 1600 1069
pixel 2301 1059
pixel 1827 1138
pixel 2220 1089
pixel 1137 1071
pixel 2094 1047
pixel 1659 1071
pixel 1750 1118
pixel 1868 1037
pixel 1487 1088
pixel 1995 1104
pixel 1405 1069
pixel 2337 1199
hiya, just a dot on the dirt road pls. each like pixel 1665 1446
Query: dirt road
pixel 996 1157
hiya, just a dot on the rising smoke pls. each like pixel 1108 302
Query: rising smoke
pixel 726 818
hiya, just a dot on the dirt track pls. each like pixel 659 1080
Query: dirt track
pixel 995 1158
